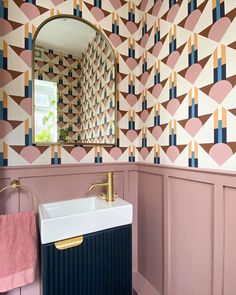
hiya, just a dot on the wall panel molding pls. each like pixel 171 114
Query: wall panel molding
pixel 218 232
pixel 221 213
pixel 142 286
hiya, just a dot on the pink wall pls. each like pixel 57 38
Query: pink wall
pixel 188 216
pixel 150 221
pixel 183 228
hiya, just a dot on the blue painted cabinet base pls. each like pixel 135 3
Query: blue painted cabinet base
pixel 101 265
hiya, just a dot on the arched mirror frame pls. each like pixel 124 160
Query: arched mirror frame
pixel 33 70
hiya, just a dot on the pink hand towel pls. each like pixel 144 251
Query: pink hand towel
pixel 18 250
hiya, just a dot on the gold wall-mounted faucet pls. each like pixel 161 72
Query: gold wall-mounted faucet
pixel 109 196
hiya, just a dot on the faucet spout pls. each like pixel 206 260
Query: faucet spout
pixel 109 186
pixel 97 185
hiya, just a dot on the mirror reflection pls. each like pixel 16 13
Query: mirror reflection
pixel 74 84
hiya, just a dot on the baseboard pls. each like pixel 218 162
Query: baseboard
pixel 142 286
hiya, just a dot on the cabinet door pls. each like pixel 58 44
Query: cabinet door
pixel 101 265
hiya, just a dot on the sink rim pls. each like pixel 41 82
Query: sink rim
pixel 45 215
pixel 52 229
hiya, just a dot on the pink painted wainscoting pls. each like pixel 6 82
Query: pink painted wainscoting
pixel 186 231
pixel 51 183
pixel 184 238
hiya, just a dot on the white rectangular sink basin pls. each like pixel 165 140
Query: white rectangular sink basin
pixel 66 219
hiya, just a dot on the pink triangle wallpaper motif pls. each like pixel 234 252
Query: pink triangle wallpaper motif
pixel 176 81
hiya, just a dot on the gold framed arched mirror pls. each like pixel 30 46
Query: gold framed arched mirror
pixel 74 83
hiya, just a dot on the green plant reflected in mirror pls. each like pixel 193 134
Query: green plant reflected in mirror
pixel 74 82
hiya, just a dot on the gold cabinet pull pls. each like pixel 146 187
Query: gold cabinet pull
pixel 69 243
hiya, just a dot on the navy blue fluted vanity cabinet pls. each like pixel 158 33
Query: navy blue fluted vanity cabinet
pixel 101 265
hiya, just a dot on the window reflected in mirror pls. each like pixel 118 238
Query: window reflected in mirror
pixel 45 111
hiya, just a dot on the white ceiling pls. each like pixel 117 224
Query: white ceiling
pixel 66 35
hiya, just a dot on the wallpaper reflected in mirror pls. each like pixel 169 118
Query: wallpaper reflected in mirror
pixel 74 84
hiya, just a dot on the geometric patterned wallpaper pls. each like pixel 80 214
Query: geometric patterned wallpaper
pixel 97 93
pixel 176 81
pixel 61 68
pixel 190 83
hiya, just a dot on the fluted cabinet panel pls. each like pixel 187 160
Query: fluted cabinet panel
pixel 101 265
